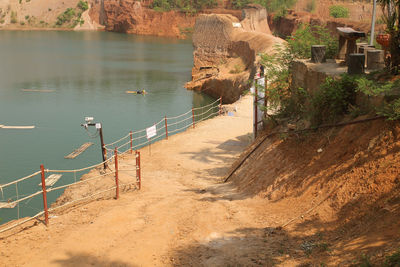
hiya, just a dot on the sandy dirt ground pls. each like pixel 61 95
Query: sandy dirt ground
pixel 183 215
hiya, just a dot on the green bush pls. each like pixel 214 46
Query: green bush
pixel 305 36
pixel 83 5
pixel 240 4
pixel 277 71
pixel 279 5
pixel 13 17
pixel 66 17
pixel 339 11
pixel 333 99
pixel 161 5
pixel 393 260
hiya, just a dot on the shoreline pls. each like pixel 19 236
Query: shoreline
pixel 73 192
pixel 205 128
pixel 47 29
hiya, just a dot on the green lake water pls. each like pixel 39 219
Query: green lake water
pixel 89 73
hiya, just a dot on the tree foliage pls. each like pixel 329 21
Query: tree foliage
pixel 391 16
pixel 307 35
pixel 337 11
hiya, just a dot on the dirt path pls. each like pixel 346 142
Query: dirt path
pixel 182 216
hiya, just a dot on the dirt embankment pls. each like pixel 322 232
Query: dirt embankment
pixel 226 52
pixel 341 187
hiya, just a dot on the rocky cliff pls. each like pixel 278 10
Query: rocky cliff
pixel 226 52
pixel 129 16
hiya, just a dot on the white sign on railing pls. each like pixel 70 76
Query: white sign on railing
pixel 151 132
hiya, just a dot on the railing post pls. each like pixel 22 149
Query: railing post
pixel 220 105
pixel 116 173
pixel 255 110
pixel 193 117
pixel 166 128
pixel 266 99
pixel 138 175
pixel 46 211
pixel 131 141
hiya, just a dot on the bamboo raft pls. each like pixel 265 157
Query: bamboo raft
pixel 52 179
pixel 6 205
pixel 16 127
pixel 38 90
pixel 78 151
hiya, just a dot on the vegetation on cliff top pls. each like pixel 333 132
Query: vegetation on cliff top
pixel 277 6
pixel 336 97
pixel 187 6
pixel 192 6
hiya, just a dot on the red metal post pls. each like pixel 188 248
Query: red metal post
pixel 220 105
pixel 265 98
pixel 131 141
pixel 116 173
pixel 193 116
pixel 138 175
pixel 166 128
pixel 255 110
pixel 46 211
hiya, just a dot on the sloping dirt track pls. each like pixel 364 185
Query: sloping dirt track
pixel 182 216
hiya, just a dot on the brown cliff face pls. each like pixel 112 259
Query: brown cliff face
pixel 129 16
pixel 226 52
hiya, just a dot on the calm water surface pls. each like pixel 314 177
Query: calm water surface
pixel 89 73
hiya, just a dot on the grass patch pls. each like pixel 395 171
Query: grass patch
pixel 237 68
pixel 393 260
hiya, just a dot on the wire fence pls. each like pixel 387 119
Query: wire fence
pixel 164 128
pixel 20 199
pixel 94 182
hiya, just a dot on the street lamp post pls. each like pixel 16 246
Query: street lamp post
pixel 371 41
pixel 99 127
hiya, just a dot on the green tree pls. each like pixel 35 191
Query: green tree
pixel 307 35
pixel 391 16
